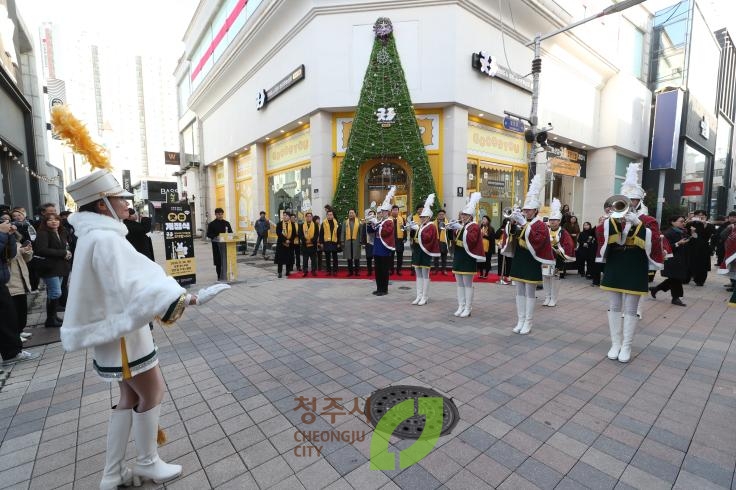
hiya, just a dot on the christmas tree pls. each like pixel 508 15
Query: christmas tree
pixel 385 125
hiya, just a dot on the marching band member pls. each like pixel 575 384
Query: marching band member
pixel 533 251
pixel 468 252
pixel 441 224
pixel 114 292
pixel 367 237
pixel 728 266
pixel 564 249
pixel 424 246
pixel 629 248
pixel 384 243
pixel 506 246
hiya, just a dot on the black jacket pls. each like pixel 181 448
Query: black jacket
pixel 676 267
pixel 137 236
pixel 52 249
pixel 217 226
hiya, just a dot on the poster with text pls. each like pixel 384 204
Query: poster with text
pixel 179 243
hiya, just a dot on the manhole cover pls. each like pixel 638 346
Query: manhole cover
pixel 381 401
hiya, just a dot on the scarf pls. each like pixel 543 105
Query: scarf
pixel 399 227
pixel 308 229
pixel 287 230
pixel 352 233
pixel 332 237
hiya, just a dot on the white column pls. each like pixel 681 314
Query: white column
pixel 320 144
pixel 260 185
pixel 455 159
pixel 230 201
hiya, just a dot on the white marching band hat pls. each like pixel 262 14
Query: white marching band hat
pixel 631 188
pixel 472 203
pixel 386 206
pixel 532 196
pixel 427 210
pixel 90 188
pixel 555 209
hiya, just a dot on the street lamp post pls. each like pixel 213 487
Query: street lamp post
pixel 534 134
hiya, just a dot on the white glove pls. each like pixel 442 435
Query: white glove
pixel 414 226
pixel 206 294
pixel 519 218
pixel 456 225
pixel 373 220
pixel 632 218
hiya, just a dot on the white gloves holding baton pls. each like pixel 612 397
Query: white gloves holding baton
pixel 206 294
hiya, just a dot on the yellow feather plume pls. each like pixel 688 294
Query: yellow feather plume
pixel 77 137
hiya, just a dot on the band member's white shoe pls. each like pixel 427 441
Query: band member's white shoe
pixel 420 281
pixel 554 292
pixel 118 432
pixel 614 326
pixel 148 464
pixel 520 312
pixel 529 318
pixel 630 322
pixel 460 301
pixel 547 290
pixel 468 302
pixel 425 293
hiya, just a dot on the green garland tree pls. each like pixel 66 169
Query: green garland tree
pixel 385 125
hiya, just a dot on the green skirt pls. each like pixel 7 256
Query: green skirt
pixel 627 270
pixel 525 268
pixel 419 258
pixel 462 263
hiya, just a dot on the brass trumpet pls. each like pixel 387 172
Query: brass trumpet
pixel 619 204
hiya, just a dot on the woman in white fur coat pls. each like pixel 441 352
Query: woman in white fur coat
pixel 114 292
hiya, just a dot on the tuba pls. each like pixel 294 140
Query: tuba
pixel 619 204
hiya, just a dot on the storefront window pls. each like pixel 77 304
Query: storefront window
pixel 501 186
pixel 622 163
pixel 472 183
pixel 718 193
pixel 693 173
pixel 290 191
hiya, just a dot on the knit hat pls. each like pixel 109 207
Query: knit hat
pixel 428 203
pixel 472 203
pixel 532 196
pixel 631 188
pixel 555 209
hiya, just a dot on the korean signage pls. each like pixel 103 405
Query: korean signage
pixel 491 142
pixel 566 160
pixel 179 243
pixel 287 151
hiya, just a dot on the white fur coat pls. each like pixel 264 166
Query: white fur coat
pixel 113 289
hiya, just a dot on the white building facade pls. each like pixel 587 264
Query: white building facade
pixel 288 153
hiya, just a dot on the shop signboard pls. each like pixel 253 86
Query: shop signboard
pixel 171 158
pixel 491 142
pixel 287 151
pixel 179 243
pixel 127 185
pixel 513 124
pixel 692 188
pixel 566 160
pixel 161 191
pixel 265 96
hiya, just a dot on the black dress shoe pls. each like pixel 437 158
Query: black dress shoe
pixel 305 274
pixel 653 292
pixel 382 293
pixel 375 292
pixel 677 302
pixel 279 275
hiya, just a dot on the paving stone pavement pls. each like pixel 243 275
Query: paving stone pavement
pixel 547 410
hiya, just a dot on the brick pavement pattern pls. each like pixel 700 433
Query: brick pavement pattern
pixel 547 410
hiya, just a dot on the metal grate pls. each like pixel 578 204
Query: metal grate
pixel 381 401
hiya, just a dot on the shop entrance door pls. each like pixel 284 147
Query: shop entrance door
pixel 501 187
pixel 378 176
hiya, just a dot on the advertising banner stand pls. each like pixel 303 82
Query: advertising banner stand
pixel 179 243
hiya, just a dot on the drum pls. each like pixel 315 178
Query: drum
pixel 548 270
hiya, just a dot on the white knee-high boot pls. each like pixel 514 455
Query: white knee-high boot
pixel 460 300
pixel 148 464
pixel 425 292
pixel 118 432
pixel 614 325
pixel 630 322
pixel 554 284
pixel 520 313
pixel 468 302
pixel 529 319
pixel 546 280
pixel 420 281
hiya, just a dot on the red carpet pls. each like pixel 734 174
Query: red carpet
pixel 405 276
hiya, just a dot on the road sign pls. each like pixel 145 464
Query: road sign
pixel 513 124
